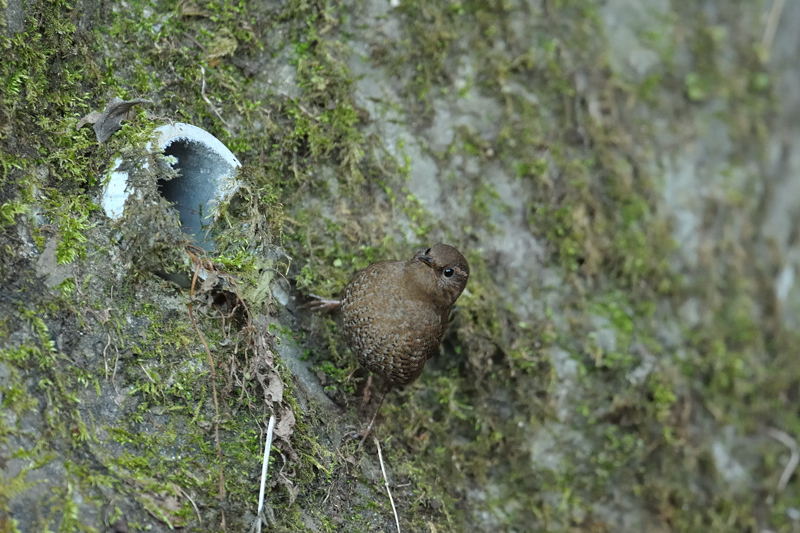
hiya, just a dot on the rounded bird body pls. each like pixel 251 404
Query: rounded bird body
pixel 394 313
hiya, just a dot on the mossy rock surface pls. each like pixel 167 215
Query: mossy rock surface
pixel 620 176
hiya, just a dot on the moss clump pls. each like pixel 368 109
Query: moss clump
pixel 557 394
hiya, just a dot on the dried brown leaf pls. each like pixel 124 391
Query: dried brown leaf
pixel 273 392
pixel 285 426
pixel 163 506
pixel 110 121
pixel 91 118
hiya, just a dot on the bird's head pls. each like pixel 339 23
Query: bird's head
pixel 440 272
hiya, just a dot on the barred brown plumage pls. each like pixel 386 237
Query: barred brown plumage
pixel 394 313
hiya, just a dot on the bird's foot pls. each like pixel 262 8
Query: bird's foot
pixel 361 436
pixel 367 431
pixel 366 396
pixel 364 435
pixel 318 303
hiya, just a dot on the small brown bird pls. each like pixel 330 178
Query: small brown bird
pixel 394 313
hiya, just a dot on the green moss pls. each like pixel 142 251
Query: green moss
pixel 310 179
pixel 9 211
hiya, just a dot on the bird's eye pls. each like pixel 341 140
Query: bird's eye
pixel 448 272
pixel 427 251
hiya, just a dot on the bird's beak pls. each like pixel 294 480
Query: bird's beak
pixel 428 260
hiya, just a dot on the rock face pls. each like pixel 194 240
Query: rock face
pixel 622 178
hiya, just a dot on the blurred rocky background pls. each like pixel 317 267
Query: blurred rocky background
pixel 621 175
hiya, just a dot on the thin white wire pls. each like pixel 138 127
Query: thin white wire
pixel 267 447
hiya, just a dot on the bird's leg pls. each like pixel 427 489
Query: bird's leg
pixel 318 303
pixel 367 394
pixel 369 427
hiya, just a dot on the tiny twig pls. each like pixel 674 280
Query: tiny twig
pixel 278 272
pixel 196 42
pixel 205 98
pixel 146 373
pixel 213 383
pixel 772 24
pixel 386 482
pixel 328 495
pixel 785 438
pixel 307 112
pixel 180 490
pixel 196 510
pixel 264 464
pixel 299 105
pixel 114 372
pixel 241 301
pixel 105 361
pixel 371 422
